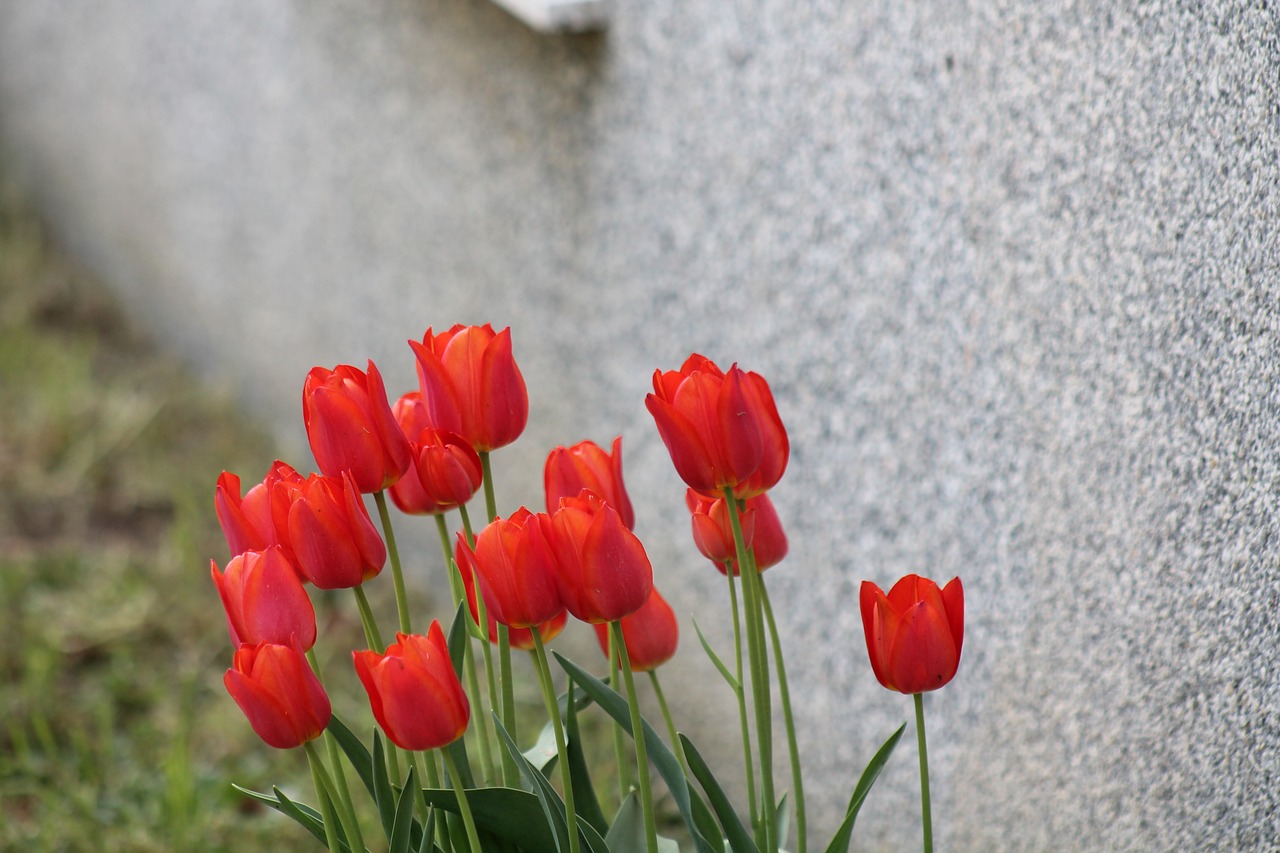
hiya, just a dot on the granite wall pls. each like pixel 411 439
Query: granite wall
pixel 1012 269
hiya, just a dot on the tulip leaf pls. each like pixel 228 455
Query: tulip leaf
pixel 508 814
pixel 696 815
pixel 552 807
pixel 306 816
pixel 715 659
pixel 543 754
pixel 457 640
pixel 626 835
pixel 584 792
pixel 383 794
pixel 840 843
pixel 737 835
pixel 356 753
pixel 782 818
pixel 398 838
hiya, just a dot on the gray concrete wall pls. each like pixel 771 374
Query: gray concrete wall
pixel 1011 268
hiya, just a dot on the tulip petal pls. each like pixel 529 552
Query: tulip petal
pixel 923 656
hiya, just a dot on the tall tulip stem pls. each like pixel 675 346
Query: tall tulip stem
pixel 742 698
pixel 553 713
pixel 393 553
pixel 463 806
pixel 758 657
pixel 324 793
pixel 925 816
pixel 619 748
pixel 797 781
pixel 676 746
pixel 637 736
pixel 349 821
pixel 468 656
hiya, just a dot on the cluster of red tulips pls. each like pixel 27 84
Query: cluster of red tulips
pixel 517 579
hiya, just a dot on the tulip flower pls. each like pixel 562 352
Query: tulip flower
pixel 515 565
pixel 713 531
pixel 586 465
pixel 325 524
pixel 518 638
pixel 914 633
pixel 602 569
pixel 444 470
pixel 265 600
pixel 650 634
pixel 246 521
pixel 351 428
pixel 721 429
pixel 414 691
pixel 276 689
pixel 471 385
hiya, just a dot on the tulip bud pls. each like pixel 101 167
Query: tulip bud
pixel 351 428
pixel 914 634
pixel 651 634
pixel 713 531
pixel 601 568
pixel 265 600
pixel 326 525
pixel 414 691
pixel 586 465
pixel 515 565
pixel 279 694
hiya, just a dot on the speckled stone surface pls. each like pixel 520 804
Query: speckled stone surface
pixel 1013 270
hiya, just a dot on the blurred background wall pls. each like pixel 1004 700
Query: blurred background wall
pixel 1012 270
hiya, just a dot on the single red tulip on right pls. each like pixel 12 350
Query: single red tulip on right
pixel 914 633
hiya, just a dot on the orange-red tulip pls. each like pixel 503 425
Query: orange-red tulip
pixel 721 429
pixel 325 524
pixel 713 531
pixel 516 567
pixel 444 470
pixel 471 385
pixel 602 569
pixel 276 689
pixel 914 633
pixel 246 521
pixel 414 691
pixel 519 638
pixel 586 465
pixel 351 428
pixel 651 634
pixel 265 600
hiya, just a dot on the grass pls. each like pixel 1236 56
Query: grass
pixel 115 731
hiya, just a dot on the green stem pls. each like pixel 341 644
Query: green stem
pixel 637 736
pixel 742 700
pixel 793 749
pixel 490 502
pixel 757 657
pixel 468 655
pixel 510 773
pixel 557 725
pixel 324 793
pixel 397 574
pixel 463 806
pixel 676 746
pixel 430 779
pixel 625 782
pixel 371 634
pixel 926 817
pixel 349 820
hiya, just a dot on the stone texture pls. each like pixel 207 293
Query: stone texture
pixel 1012 270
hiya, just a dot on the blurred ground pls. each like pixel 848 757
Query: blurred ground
pixel 115 731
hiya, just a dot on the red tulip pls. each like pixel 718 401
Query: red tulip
pixel 713 531
pixel 471 385
pixel 246 522
pixel 444 470
pixel 602 569
pixel 326 525
pixel 350 426
pixel 265 600
pixel 650 634
pixel 414 691
pixel 519 638
pixel 721 429
pixel 276 689
pixel 914 633
pixel 516 567
pixel 586 465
